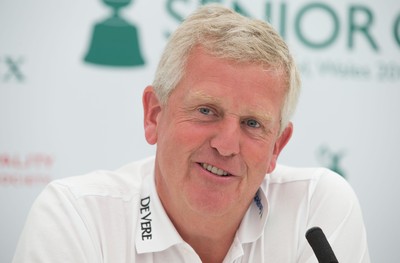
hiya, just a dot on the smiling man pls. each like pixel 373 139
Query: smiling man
pixel 222 124
pixel 219 111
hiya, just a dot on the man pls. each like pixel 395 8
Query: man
pixel 219 112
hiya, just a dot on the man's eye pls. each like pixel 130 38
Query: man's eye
pixel 252 123
pixel 205 111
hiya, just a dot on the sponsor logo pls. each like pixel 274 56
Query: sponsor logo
pixel 11 69
pixel 331 159
pixel 145 218
pixel 115 41
pixel 321 26
pixel 358 27
pixel 26 169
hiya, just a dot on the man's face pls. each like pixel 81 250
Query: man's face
pixel 217 136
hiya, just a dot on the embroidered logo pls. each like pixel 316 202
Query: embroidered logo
pixel 259 204
pixel 145 218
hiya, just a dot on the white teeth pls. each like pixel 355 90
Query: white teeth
pixel 214 170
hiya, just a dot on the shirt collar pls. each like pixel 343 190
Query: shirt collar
pixel 253 223
pixel 154 231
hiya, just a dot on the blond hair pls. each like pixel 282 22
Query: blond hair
pixel 226 34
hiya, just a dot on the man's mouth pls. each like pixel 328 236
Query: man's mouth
pixel 214 170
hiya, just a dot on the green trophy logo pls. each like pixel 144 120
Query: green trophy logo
pixel 114 40
pixel 331 159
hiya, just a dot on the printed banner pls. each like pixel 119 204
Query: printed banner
pixel 72 74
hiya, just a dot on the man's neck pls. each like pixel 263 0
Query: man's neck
pixel 210 237
pixel 211 251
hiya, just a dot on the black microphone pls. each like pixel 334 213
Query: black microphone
pixel 318 242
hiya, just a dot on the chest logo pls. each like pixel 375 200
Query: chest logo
pixel 145 218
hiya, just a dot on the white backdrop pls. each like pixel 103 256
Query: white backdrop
pixel 61 116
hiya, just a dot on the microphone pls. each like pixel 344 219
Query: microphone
pixel 320 245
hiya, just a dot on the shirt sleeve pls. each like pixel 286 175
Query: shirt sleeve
pixel 335 208
pixel 54 231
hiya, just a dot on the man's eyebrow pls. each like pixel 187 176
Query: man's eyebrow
pixel 205 97
pixel 257 113
pixel 260 115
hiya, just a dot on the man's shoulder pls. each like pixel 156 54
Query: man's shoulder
pixel 285 174
pixel 315 179
pixel 121 183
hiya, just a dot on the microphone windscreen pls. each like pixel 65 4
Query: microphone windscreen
pixel 320 245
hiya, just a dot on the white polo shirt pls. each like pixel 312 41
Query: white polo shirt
pixel 117 217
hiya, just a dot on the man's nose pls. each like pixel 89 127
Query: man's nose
pixel 226 139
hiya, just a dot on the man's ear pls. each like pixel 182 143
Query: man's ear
pixel 279 145
pixel 151 110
